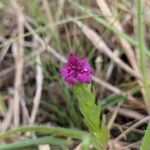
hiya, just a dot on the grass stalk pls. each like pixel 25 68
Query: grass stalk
pixel 140 9
pixel 34 143
pixel 143 57
pixel 76 134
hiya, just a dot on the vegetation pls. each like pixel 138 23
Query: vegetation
pixel 39 110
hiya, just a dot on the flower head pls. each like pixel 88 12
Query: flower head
pixel 77 70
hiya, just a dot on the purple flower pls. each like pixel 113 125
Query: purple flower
pixel 77 70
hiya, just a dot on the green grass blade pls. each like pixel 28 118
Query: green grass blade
pixel 34 142
pixel 143 57
pixel 114 99
pixel 146 140
pixel 77 134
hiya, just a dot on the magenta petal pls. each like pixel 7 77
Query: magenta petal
pixel 84 78
pixel 84 62
pixel 77 70
pixel 86 65
pixel 90 69
pixel 64 72
pixel 71 80
pixel 73 59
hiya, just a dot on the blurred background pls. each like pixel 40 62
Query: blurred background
pixel 36 36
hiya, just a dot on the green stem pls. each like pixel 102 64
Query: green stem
pixel 140 5
pixel 48 130
pixel 143 58
pixel 34 142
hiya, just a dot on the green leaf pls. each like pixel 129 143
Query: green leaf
pixel 104 134
pixel 91 113
pixel 146 140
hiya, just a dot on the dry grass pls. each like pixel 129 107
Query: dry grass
pixel 35 39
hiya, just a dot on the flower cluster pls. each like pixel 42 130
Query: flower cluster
pixel 77 70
